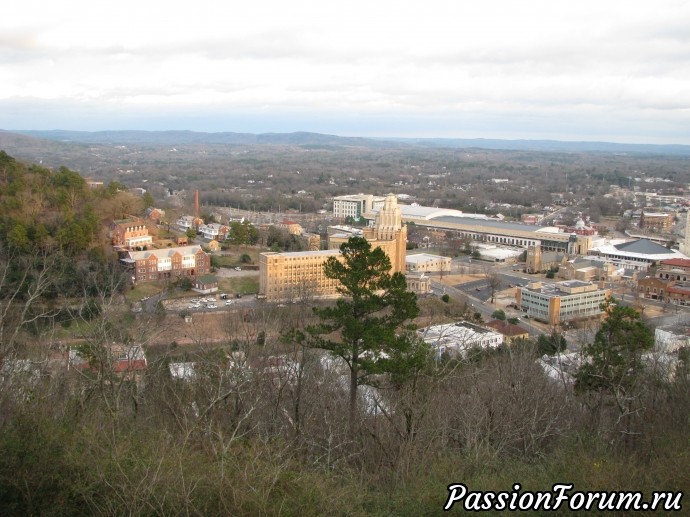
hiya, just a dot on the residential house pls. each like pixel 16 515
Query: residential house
pixel 510 332
pixel 188 222
pixel 205 284
pixel 155 214
pixel 122 360
pixel 292 227
pixel 214 231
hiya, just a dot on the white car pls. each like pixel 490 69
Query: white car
pixel 211 306
pixel 229 302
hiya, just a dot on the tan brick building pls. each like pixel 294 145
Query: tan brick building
pixel 657 221
pixel 299 275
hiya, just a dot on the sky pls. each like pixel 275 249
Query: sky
pixel 604 70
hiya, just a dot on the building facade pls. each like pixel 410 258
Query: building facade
pixel 638 254
pixel 355 206
pixel 296 275
pixel 214 231
pixel 562 301
pixel 536 261
pixel 511 333
pixel 479 227
pixel 656 221
pixel 426 262
pixel 166 264
pixel 130 233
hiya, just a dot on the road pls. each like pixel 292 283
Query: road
pixel 479 305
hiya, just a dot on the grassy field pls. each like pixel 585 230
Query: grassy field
pixel 232 256
pixel 239 284
pixel 141 291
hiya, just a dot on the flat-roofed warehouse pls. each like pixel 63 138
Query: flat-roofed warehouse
pixel 479 227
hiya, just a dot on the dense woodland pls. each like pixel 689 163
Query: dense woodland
pixel 242 438
pixel 304 176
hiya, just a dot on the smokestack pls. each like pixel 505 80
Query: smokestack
pixel 196 204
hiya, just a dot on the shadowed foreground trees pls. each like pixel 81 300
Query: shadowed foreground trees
pixel 366 328
pixel 223 441
pixel 613 373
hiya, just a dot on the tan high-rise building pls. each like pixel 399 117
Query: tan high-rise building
pixel 300 275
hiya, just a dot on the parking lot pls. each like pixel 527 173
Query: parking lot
pixel 205 303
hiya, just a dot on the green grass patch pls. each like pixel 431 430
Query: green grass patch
pixel 239 284
pixel 233 256
pixel 143 290
pixel 226 260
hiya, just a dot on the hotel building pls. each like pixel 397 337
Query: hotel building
pixel 300 275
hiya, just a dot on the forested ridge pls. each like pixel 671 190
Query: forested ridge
pixel 265 425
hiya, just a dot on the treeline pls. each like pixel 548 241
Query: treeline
pixel 270 176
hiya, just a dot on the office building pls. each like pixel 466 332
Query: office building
pixel 562 301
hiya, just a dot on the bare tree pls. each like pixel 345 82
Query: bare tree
pixel 494 281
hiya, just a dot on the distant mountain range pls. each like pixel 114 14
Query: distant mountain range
pixel 322 140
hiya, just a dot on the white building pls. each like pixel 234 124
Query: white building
pixel 671 338
pixel 637 254
pixel 457 339
pixel 185 222
pixel 356 205
pixel 426 262
pixel 497 254
pixel 214 231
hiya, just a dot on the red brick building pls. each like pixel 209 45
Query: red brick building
pixel 166 264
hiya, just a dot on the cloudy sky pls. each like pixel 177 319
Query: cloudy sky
pixel 609 70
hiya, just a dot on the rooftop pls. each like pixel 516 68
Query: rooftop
pixel 166 252
pixel 678 262
pixel 308 254
pixel 564 288
pixel 644 247
pixel 423 257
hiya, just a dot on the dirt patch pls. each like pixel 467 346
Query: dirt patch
pixel 459 279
